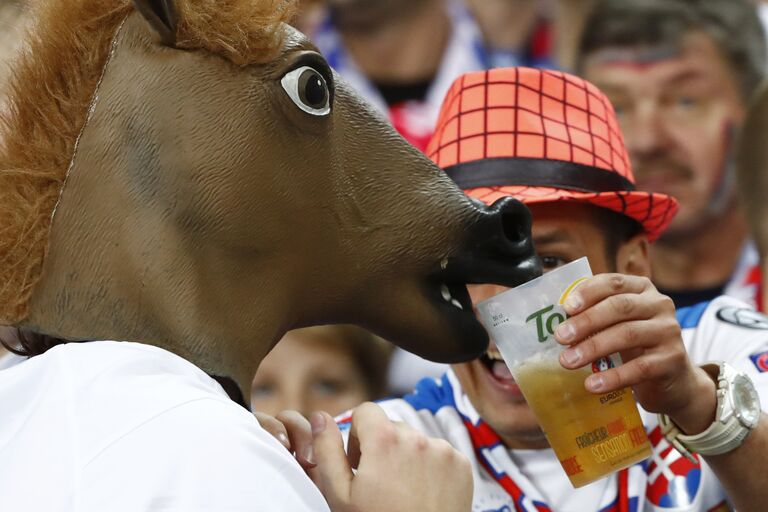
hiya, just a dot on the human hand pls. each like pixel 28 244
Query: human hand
pixel 626 314
pixel 293 431
pixel 398 468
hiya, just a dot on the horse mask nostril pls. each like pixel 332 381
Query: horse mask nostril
pixel 515 220
pixel 511 224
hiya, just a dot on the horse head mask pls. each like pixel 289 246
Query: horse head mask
pixel 192 174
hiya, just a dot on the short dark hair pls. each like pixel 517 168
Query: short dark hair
pixel 733 25
pixel 617 229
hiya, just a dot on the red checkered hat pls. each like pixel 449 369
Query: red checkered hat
pixel 540 136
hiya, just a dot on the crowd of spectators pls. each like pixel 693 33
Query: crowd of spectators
pixel 680 75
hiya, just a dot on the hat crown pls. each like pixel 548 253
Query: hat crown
pixel 528 114
pixel 541 136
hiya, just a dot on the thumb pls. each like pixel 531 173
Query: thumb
pixel 332 475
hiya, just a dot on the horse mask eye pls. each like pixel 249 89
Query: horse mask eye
pixel 308 90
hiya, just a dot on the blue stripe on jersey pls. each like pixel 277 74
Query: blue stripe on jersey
pixel 691 316
pixel 431 395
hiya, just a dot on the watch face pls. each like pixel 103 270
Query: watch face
pixel 746 402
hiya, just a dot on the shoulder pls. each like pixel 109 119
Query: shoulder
pixel 726 329
pixel 722 312
pixel 201 455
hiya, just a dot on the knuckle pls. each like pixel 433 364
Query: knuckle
pixel 584 321
pixel 630 334
pixel 622 304
pixel 666 302
pixel 589 347
pixel 678 358
pixel 616 282
pixel 420 442
pixel 388 435
pixel 672 329
pixel 643 367
pixel 443 448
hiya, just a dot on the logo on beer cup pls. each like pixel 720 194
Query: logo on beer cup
pixel 547 319
pixel 602 364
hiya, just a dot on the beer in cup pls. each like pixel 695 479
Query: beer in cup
pixel 593 435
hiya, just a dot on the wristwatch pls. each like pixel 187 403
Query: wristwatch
pixel 738 411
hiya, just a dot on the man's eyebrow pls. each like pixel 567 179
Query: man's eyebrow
pixel 685 76
pixel 551 238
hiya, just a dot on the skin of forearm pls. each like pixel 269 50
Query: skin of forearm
pixel 743 472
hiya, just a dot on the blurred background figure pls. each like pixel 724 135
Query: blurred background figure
pixel 402 55
pixel 309 15
pixel 680 74
pixel 752 172
pixel 534 33
pixel 329 368
pixel 12 23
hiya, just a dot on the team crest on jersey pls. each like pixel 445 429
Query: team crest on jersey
pixel 602 364
pixel 673 481
pixel 743 317
pixel 760 360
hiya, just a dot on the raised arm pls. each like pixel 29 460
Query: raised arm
pixel 626 314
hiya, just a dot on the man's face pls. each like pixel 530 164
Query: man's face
pixel 678 109
pixel 562 232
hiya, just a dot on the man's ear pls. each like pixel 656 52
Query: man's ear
pixel 633 256
pixel 162 16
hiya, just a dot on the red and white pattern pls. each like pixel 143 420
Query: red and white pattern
pixel 667 482
pixel 526 113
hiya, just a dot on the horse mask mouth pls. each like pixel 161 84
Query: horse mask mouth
pixel 497 250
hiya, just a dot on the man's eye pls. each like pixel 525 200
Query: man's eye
pixel 686 102
pixel 552 262
pixel 328 387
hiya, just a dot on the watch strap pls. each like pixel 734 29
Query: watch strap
pixel 722 436
pixel 719 438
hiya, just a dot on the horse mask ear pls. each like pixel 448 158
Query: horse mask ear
pixel 162 17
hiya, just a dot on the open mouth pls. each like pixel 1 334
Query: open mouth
pixel 496 366
pixel 499 375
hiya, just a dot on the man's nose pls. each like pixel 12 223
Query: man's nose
pixel 296 400
pixel 645 132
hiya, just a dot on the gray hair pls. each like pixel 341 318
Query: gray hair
pixel 732 24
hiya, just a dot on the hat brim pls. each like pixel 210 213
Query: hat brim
pixel 652 211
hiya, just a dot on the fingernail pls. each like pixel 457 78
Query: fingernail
pixel 284 440
pixel 309 455
pixel 572 355
pixel 573 303
pixel 317 420
pixel 595 382
pixel 565 331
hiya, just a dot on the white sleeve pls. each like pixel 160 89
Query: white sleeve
pixel 204 455
pixel 730 330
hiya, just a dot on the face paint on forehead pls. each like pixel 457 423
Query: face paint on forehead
pixel 636 57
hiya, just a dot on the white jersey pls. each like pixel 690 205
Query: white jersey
pixel 532 480
pixel 106 426
pixel 10 359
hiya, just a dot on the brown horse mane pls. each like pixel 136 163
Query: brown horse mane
pixel 49 94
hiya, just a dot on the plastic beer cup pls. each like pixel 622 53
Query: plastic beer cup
pixel 593 435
